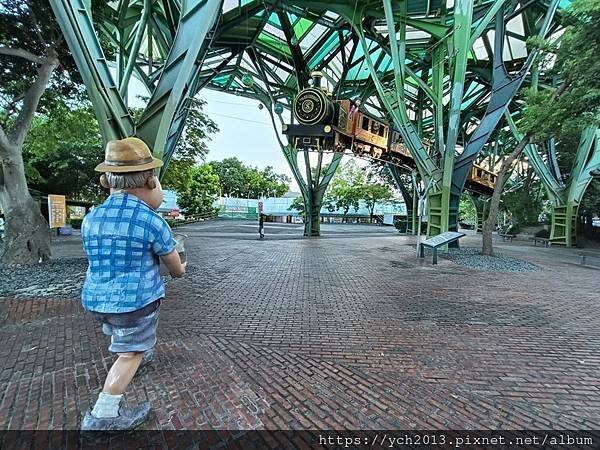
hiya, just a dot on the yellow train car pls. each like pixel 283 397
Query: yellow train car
pixel 482 176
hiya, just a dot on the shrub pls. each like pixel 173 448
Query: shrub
pixel 401 223
pixel 76 223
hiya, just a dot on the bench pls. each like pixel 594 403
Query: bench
pixel 544 241
pixel 507 236
pixel 586 256
pixel 437 241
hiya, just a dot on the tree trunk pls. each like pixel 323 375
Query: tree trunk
pixel 490 222
pixel 26 233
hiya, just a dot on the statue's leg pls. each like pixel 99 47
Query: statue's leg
pixel 121 373
pixel 132 335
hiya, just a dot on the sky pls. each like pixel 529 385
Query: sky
pixel 245 132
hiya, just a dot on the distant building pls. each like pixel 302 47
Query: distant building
pixel 277 208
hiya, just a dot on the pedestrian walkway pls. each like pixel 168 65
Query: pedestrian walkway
pixel 348 331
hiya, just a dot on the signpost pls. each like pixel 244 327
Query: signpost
pixel 57 210
pixel 438 241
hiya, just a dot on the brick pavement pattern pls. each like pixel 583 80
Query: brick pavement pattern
pixel 348 331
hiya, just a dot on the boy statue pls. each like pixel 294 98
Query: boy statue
pixel 124 239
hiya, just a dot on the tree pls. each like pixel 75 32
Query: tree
pixel 232 175
pixel 467 213
pixel 372 193
pixel 62 150
pixel 298 205
pixel 571 107
pixel 238 179
pixel 274 184
pixel 30 52
pixel 191 149
pixel 346 187
pixel 376 188
pixel 201 192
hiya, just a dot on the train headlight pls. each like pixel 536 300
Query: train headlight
pixel 327 128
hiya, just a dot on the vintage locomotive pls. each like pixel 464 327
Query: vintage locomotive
pixel 325 124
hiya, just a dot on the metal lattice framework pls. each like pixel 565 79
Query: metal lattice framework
pixel 444 72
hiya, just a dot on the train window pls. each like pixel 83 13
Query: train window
pixel 381 131
pixel 375 127
pixel 365 123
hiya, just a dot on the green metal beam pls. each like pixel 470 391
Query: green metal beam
pixel 179 77
pixel 485 21
pixel 76 24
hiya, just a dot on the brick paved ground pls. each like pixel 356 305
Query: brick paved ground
pixel 343 332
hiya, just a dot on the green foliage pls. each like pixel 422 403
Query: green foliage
pixel 351 184
pixel 191 148
pixel 345 189
pixel 240 180
pixel 576 64
pixel 374 193
pixel 524 205
pixel 61 150
pixel 198 126
pixel 298 205
pixel 467 213
pixel 174 223
pixel 32 26
pixel 201 192
pixel 590 203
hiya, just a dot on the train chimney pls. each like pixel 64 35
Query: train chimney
pixel 316 77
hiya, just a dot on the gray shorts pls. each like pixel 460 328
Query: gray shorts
pixel 132 331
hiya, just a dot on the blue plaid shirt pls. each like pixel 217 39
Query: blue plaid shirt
pixel 123 239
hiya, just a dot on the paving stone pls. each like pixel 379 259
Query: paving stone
pixel 345 331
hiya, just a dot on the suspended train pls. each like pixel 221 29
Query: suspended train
pixel 325 124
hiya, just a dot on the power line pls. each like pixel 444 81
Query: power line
pixel 239 118
pixel 231 103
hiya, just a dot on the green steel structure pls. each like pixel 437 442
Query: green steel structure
pixel 443 72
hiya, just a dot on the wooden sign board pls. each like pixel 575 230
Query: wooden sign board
pixel 57 210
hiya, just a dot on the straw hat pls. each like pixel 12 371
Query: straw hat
pixel 128 155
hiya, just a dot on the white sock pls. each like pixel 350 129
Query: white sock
pixel 107 405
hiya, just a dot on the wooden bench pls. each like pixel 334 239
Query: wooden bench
pixel 507 236
pixel 544 241
pixel 437 241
